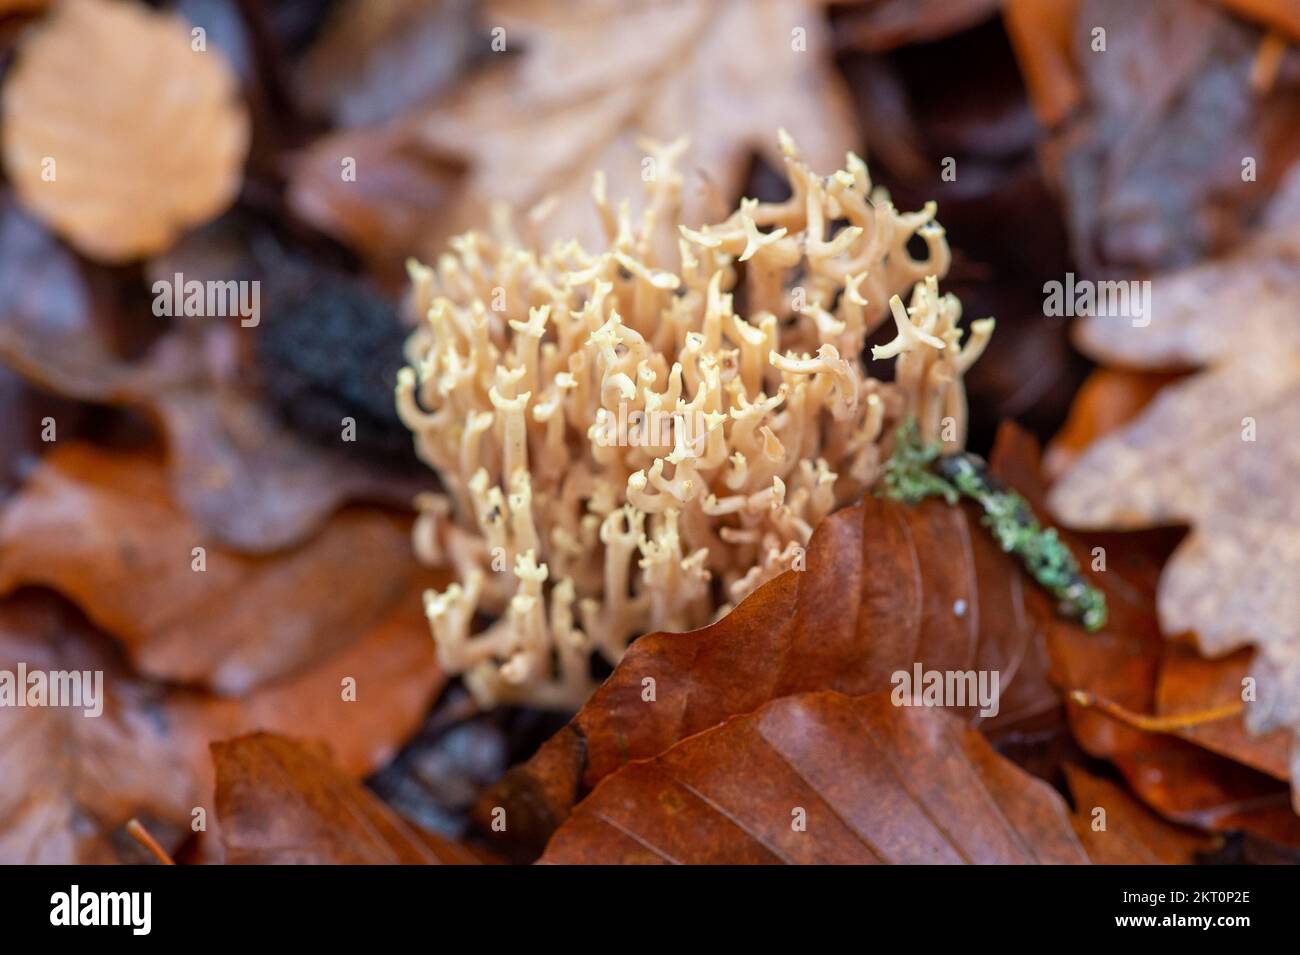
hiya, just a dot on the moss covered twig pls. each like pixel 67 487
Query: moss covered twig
pixel 917 471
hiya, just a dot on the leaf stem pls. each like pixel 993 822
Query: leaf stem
pixel 1170 723
pixel 141 835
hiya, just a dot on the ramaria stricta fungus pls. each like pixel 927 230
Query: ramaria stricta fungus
pixel 634 439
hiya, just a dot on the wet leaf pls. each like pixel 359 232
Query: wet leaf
pixel 1147 182
pixel 822 778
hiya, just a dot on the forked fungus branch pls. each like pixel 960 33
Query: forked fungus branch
pixel 634 439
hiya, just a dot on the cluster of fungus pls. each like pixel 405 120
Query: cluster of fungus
pixel 634 439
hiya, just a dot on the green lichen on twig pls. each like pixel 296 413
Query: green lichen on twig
pixel 917 471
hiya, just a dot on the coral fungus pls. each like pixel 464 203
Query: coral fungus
pixel 635 439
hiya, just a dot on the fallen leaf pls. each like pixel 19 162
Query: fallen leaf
pixel 118 133
pixel 1187 682
pixel 1125 832
pixel 822 778
pixel 281 803
pixel 592 78
pixel 250 481
pixel 75 781
pixel 99 527
pixel 1184 782
pixel 70 780
pixel 1192 457
pixel 887 587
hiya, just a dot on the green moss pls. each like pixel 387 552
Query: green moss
pixel 916 471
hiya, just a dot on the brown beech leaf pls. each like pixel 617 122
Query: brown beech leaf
pixel 1126 832
pixel 75 780
pixel 118 133
pixel 595 76
pixel 887 587
pixel 1121 664
pixel 822 778
pixel 1218 451
pixel 248 479
pixel 99 527
pixel 280 802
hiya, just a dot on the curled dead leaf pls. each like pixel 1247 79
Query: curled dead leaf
pixel 118 133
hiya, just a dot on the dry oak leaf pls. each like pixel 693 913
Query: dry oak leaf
pixel 822 778
pixel 887 586
pixel 119 134
pixel 1108 399
pixel 99 527
pixel 1126 832
pixel 1178 776
pixel 71 782
pixel 595 76
pixel 1219 451
pixel 280 803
